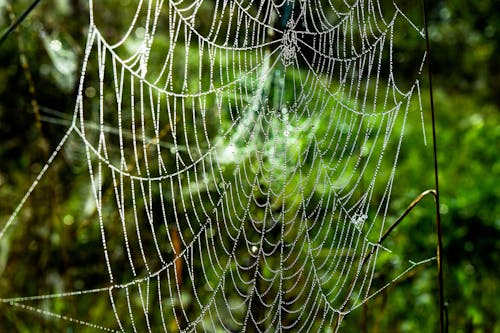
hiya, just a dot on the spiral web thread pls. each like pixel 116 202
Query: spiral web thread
pixel 245 173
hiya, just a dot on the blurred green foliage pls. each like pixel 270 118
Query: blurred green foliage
pixel 465 40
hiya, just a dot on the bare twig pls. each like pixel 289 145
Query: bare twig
pixel 19 20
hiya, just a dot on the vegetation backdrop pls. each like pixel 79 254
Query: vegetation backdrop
pixel 39 68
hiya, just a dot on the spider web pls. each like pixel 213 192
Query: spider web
pixel 235 162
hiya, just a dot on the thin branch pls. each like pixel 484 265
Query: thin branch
pixel 393 226
pixel 436 176
pixel 19 20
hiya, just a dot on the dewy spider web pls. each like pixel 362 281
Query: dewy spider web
pixel 235 164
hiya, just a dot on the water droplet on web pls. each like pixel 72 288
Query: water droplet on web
pixel 56 45
pixel 358 220
pixel 140 32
